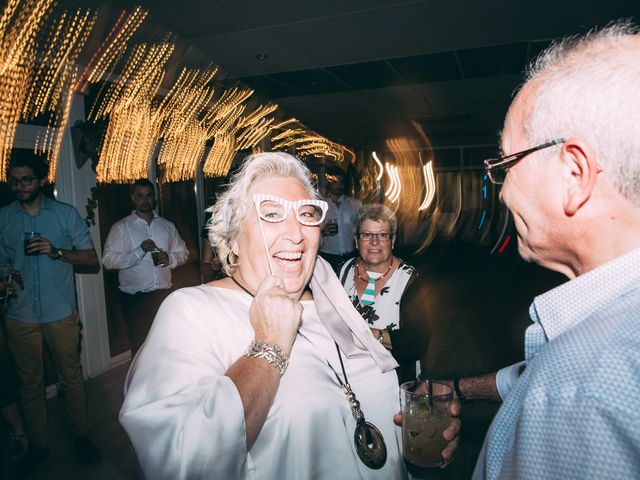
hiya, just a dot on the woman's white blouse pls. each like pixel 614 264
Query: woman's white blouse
pixel 185 417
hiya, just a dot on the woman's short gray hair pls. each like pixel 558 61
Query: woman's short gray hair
pixel 377 212
pixel 231 206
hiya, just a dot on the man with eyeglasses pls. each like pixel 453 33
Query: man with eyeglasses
pixel 45 309
pixel 569 409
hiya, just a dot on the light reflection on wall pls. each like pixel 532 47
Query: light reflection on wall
pixel 429 184
pixel 450 202
pixel 391 175
pixel 396 175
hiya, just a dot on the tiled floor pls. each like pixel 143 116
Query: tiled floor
pixel 104 394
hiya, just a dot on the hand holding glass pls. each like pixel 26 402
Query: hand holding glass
pixel 425 417
pixel 331 227
pixel 156 255
pixel 28 238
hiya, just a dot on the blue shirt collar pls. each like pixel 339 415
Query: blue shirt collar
pixel 566 306
pixel 47 204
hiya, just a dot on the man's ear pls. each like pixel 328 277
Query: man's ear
pixel 582 168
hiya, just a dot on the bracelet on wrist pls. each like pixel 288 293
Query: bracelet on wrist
pixel 380 336
pixel 272 354
pixel 456 388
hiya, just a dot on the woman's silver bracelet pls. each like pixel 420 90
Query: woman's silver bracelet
pixel 273 354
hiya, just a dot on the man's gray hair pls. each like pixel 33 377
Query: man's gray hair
pixel 589 87
pixel 378 213
pixel 231 206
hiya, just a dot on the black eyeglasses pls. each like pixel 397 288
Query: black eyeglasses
pixel 24 181
pixel 497 168
pixel 380 236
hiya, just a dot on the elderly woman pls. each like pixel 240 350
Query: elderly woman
pixel 376 280
pixel 256 375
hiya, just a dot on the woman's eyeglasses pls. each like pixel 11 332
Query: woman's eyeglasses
pixel 272 209
pixel 380 236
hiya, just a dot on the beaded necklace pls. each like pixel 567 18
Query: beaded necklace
pixel 357 269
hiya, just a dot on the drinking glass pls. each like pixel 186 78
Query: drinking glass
pixel 155 255
pixel 425 411
pixel 332 226
pixel 28 238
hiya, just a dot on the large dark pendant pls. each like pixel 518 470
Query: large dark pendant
pixel 370 445
pixel 367 438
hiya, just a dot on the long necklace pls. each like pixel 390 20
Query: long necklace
pixel 379 278
pixel 368 440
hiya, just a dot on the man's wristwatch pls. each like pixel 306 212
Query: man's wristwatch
pixel 58 254
pixel 456 387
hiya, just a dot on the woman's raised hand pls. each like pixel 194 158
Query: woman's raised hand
pixel 274 315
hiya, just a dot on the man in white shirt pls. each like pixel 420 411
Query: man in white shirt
pixel 338 229
pixel 144 247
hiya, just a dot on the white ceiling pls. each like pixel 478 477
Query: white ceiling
pixel 315 53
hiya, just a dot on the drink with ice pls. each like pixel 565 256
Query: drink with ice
pixel 425 416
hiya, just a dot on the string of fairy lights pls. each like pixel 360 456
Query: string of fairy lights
pixel 193 121
pixel 133 114
pixel 189 120
pixel 51 89
pixel 112 48
pixel 37 64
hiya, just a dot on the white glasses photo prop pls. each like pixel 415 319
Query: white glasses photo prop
pixel 272 209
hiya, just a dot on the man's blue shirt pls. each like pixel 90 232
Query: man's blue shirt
pixel 49 290
pixel 573 412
